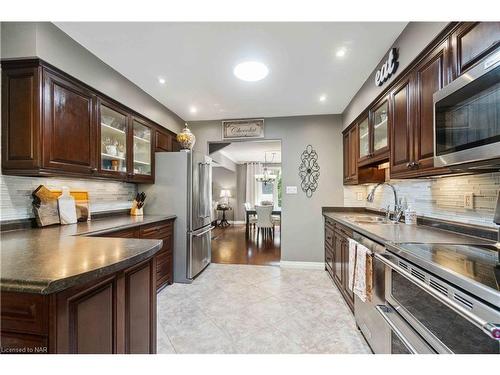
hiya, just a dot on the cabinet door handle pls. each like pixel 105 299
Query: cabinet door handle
pixel 412 165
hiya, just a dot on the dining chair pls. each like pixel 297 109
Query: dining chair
pixel 264 220
pixel 252 219
pixel 276 219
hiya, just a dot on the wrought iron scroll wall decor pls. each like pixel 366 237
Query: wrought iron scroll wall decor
pixel 309 171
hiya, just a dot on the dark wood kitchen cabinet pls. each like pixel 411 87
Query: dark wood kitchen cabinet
pixel 410 107
pixel 68 130
pixel 401 120
pixel 472 42
pixel 21 118
pixel 379 131
pixel 350 141
pixel 163 142
pixel 114 140
pixel 353 173
pixel 166 141
pixel 163 230
pixel 373 134
pixel 329 238
pixel 141 162
pixel 430 75
pixel 48 122
pixel 411 115
pixel 114 314
pixel 337 260
pixel 337 257
pixel 55 125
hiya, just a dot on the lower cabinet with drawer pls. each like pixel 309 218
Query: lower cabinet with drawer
pixel 115 314
pixel 164 258
pixel 162 230
pixel 337 257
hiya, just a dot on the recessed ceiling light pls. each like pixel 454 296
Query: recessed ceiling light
pixel 340 52
pixel 322 98
pixel 251 71
pixel 193 109
pixel 162 80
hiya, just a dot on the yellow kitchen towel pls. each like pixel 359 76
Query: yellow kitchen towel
pixel 362 283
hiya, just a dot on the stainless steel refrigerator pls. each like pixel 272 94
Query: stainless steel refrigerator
pixel 183 186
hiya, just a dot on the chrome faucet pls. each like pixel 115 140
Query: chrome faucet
pixel 398 208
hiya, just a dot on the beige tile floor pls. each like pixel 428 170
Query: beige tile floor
pixel 256 309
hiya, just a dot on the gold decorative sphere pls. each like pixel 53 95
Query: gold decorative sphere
pixel 186 138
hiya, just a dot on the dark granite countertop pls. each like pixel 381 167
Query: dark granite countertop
pixel 397 233
pixel 48 260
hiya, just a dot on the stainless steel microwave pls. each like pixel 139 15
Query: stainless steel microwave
pixel 467 119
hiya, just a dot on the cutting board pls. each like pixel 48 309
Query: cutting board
pixel 81 201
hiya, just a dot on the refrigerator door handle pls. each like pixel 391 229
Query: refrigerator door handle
pixel 204 232
pixel 203 211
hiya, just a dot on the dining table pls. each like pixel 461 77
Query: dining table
pixel 253 211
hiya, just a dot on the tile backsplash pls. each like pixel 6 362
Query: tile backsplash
pixel 441 198
pixel 15 193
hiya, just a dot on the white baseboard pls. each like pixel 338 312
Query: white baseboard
pixel 237 222
pixel 303 265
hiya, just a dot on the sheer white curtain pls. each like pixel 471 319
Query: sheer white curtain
pixel 252 186
pixel 275 193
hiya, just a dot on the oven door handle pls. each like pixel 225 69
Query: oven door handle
pixel 382 311
pixel 491 329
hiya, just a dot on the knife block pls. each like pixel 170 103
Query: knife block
pixel 134 211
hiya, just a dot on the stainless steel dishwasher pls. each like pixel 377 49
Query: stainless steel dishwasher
pixel 368 319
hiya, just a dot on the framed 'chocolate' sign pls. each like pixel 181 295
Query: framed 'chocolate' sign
pixel 242 129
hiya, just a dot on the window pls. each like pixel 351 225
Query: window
pixel 266 192
pixel 271 192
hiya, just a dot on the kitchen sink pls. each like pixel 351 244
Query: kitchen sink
pixel 370 220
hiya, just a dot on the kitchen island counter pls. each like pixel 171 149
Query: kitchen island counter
pixel 66 289
pixel 49 260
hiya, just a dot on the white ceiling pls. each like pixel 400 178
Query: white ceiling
pixel 241 152
pixel 197 60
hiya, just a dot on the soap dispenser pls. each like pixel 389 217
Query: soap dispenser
pixel 410 215
pixel 67 207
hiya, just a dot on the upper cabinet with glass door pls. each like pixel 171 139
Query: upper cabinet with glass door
pixel 364 139
pixel 374 134
pixel 113 143
pixel 380 128
pixel 142 166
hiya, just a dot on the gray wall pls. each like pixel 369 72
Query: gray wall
pixel 414 38
pixel 302 222
pixel 46 41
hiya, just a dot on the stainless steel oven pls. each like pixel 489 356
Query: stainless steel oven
pixel 467 119
pixel 427 314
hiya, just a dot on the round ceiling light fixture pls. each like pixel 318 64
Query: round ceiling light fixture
pixel 322 98
pixel 251 71
pixel 340 52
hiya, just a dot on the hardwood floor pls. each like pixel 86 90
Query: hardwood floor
pixel 230 246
